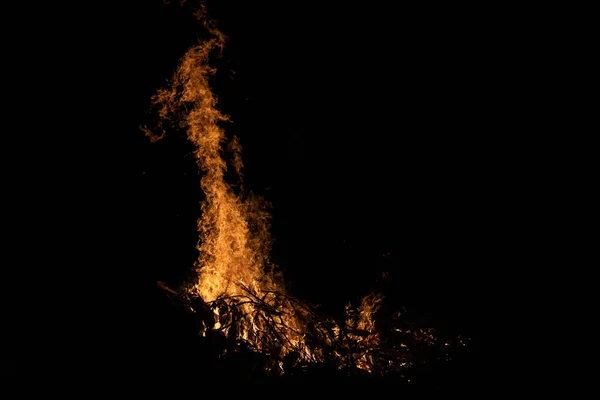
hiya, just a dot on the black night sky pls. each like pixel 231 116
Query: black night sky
pixel 368 128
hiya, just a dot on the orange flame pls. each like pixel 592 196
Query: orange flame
pixel 234 241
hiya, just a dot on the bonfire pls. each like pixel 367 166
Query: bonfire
pixel 238 295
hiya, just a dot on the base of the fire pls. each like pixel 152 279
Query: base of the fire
pixel 274 336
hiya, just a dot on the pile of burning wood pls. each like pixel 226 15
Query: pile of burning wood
pixel 283 336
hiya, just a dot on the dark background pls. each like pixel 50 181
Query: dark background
pixel 371 130
pixel 379 134
pixel 388 138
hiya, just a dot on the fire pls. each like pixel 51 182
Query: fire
pixel 238 293
pixel 233 232
pixel 234 243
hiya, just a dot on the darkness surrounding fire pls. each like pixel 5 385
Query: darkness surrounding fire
pixel 362 127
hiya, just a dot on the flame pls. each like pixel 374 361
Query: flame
pixel 234 241
pixel 238 290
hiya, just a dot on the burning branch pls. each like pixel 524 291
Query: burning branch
pixel 260 322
